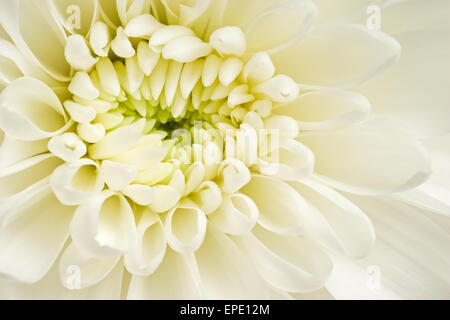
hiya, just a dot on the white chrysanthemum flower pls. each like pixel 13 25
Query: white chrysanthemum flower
pixel 213 149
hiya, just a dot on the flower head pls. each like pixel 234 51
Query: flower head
pixel 190 144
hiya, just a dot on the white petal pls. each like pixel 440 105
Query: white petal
pixel 78 270
pixel 186 49
pixel 185 227
pixel 335 221
pixel 358 54
pixel 233 175
pixel 280 25
pixel 295 161
pixel 225 272
pixel 31 243
pixel 230 70
pixel 99 39
pixel 76 182
pixel 273 196
pixel 147 58
pixel 194 176
pixel 211 69
pixel 259 68
pixel 167 33
pixel 371 158
pixel 166 198
pixel 208 196
pixel 418 95
pixel 34 30
pixel 172 280
pixel 118 175
pixel 325 110
pixel 104 227
pixel 288 263
pixel 107 76
pixel 115 142
pixel 146 258
pixel 229 41
pixel 141 194
pixel 91 133
pixel 23 174
pixel 77 53
pixel 82 86
pixel 280 88
pixel 143 25
pixel 30 110
pixel 286 126
pixel 80 113
pixel 67 146
pixel 237 215
pixel 121 45
pixel 13 151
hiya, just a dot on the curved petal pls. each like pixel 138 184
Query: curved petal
pixel 237 215
pixel 104 227
pixel 185 227
pixel 288 263
pixel 77 16
pixel 336 223
pixel 78 270
pixel 410 258
pixel 416 93
pixel 18 177
pixel 325 110
pixel 36 34
pixel 74 183
pixel 225 272
pixel 375 157
pixel 51 288
pixel 151 249
pixel 30 244
pixel 358 54
pixel 273 197
pixel 280 26
pixel 30 111
pixel 172 280
pixel 13 150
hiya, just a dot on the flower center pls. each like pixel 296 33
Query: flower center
pixel 165 101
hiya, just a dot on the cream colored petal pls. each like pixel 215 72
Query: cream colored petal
pixel 67 146
pixel 410 258
pixel 185 227
pixel 50 287
pixel 104 227
pixel 35 31
pixel 100 38
pixel 288 263
pixel 80 113
pixel 31 243
pixel 233 175
pixel 338 56
pixel 166 198
pixel 140 194
pixel 77 53
pixel 416 93
pixel 76 182
pixel 375 157
pixel 229 41
pixel 18 177
pixel 76 263
pixel 30 111
pixel 324 110
pixel 208 196
pixel 186 49
pixel 279 26
pixel 335 221
pixel 115 142
pixel 142 26
pixel 172 280
pixel 151 249
pixel 82 86
pixel 273 196
pixel 225 272
pixel 237 214
pixel 13 150
pixel 118 175
pixel 66 11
